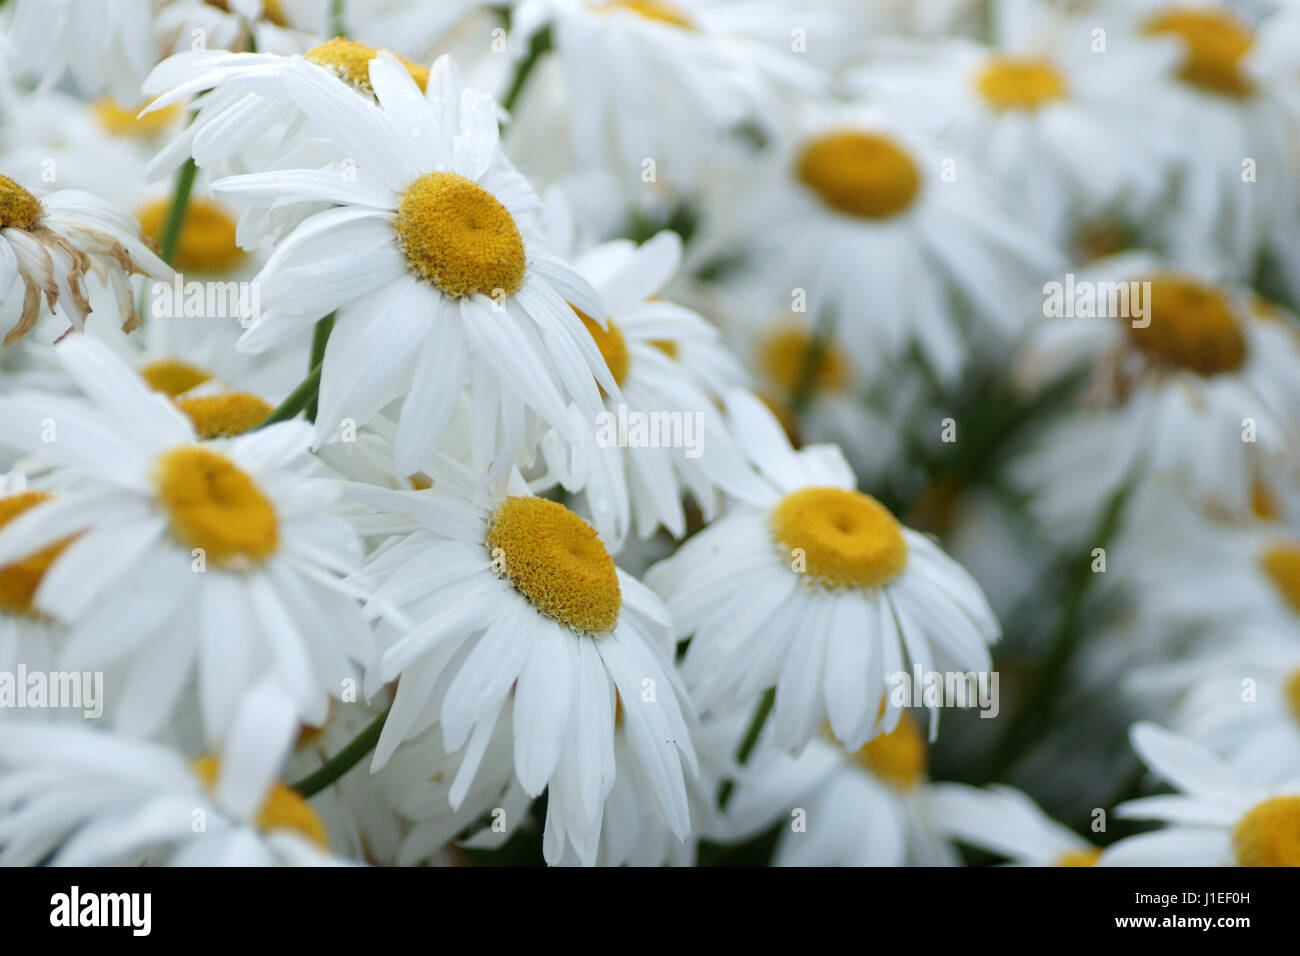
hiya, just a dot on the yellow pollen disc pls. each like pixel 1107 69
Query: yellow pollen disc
pixel 214 505
pixel 667 346
pixel 173 377
pixel 207 240
pixel 653 10
pixel 612 345
pixel 1019 83
pixel 1087 857
pixel 224 416
pixel 784 352
pixel 1291 691
pixel 558 562
pixel 128 122
pixel 1282 565
pixel 456 235
pixel 350 61
pixel 283 809
pixel 1192 326
pixel 1214 42
pixel 860 174
pixel 1269 834
pixel 19 581
pixel 1263 503
pixel 846 539
pixel 899 757
pixel 19 209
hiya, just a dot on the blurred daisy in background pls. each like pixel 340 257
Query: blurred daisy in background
pixel 1027 105
pixel 1004 821
pixel 102 46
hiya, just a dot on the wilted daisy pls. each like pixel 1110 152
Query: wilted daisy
pixel 663 434
pixel 217 560
pixel 77 797
pixel 435 267
pixel 1191 380
pixel 49 243
pixel 1004 821
pixel 863 807
pixel 860 207
pixel 1048 109
pixel 517 607
pixel 815 589
pixel 1219 816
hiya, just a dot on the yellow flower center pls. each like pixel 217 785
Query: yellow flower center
pixel 612 345
pixel 350 62
pixel 1269 834
pixel 653 10
pixel 207 240
pixel 19 581
pixel 1291 691
pixel 1214 42
pixel 783 353
pixel 860 174
pixel 215 506
pixel 173 377
pixel 1282 565
pixel 456 235
pixel 1192 326
pixel 1087 857
pixel 283 809
pixel 19 209
pixel 898 757
pixel 128 122
pixel 845 539
pixel 1019 83
pixel 558 562
pixel 224 416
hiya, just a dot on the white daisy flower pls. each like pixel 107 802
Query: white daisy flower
pixel 657 80
pixel 1218 817
pixel 435 267
pixel 1050 115
pixel 1242 702
pixel 518 607
pixel 270 26
pixel 815 589
pixel 49 243
pixel 412 27
pixel 240 103
pixel 868 807
pixel 85 798
pixel 1004 821
pixel 27 637
pixel 217 560
pixel 861 209
pixel 1199 391
pixel 663 435
pixel 102 45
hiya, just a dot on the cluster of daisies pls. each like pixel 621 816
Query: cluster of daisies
pixel 604 432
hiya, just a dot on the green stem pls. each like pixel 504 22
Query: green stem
pixel 539 44
pixel 1041 706
pixel 345 759
pixel 320 336
pixel 747 745
pixel 805 385
pixel 298 399
pixel 176 214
